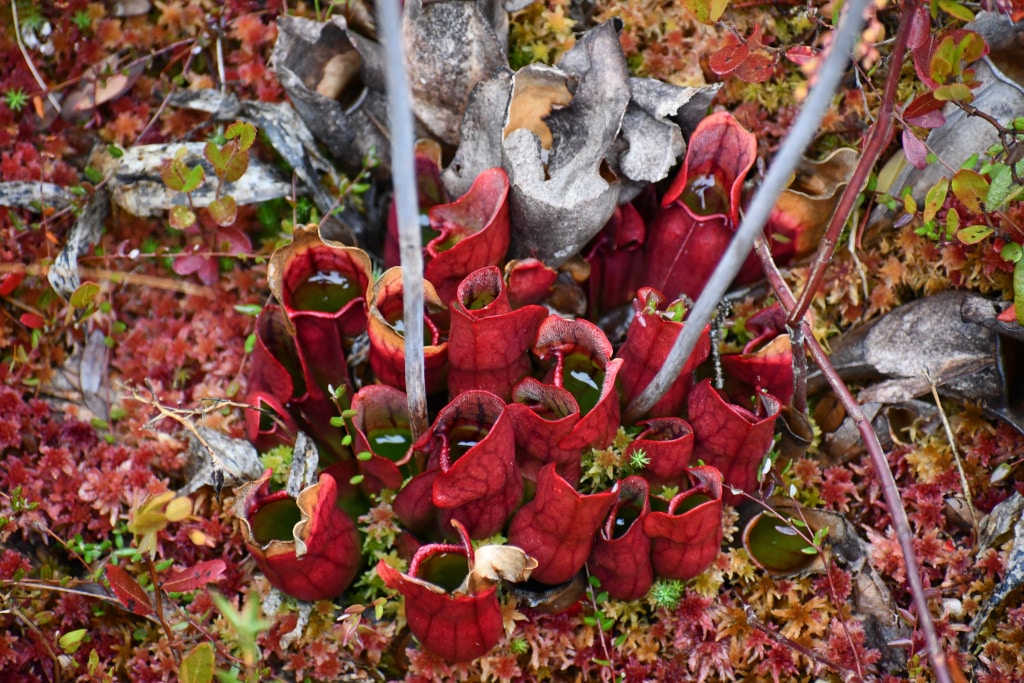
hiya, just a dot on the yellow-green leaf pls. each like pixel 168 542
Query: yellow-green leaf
pixel 970 188
pixel 71 641
pixel 244 132
pixel 197 665
pixel 178 509
pixel 84 295
pixel 973 234
pixel 954 92
pixel 934 199
pixel 955 9
pixel 223 210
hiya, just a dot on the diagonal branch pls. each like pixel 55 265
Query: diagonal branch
pixel 878 139
pixel 881 466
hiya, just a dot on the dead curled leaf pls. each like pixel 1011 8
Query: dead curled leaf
pixel 326 70
pixel 494 563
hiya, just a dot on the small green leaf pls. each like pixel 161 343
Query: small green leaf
pixel 363 456
pixel 999 188
pixel 244 132
pixel 84 295
pixel 195 175
pixel 1018 291
pixel 934 199
pixel 707 11
pixel 1011 252
pixel 248 309
pixel 952 223
pixel 93 175
pixel 197 665
pixel 909 204
pixel 71 641
pixel 250 343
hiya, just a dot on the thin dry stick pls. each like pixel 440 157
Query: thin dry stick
pixel 779 174
pixel 881 466
pixel 116 277
pixel 956 455
pixel 878 139
pixel 410 245
pixel 28 60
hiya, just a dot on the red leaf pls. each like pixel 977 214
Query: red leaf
pixel 728 59
pixel 9 282
pixel 32 321
pixel 194 577
pixel 488 342
pixel 767 360
pixel 621 558
pixel 557 527
pixel 648 342
pixel 701 208
pixel 800 54
pixel 757 68
pixel 293 382
pixel 925 111
pixel 731 437
pixel 474 232
pixel 685 540
pixel 128 591
pixel 233 241
pixel 431 192
pixel 580 351
pixel 275 378
pixel 920 29
pixel 321 282
pixel 186 265
pixel 721 148
pixel 915 150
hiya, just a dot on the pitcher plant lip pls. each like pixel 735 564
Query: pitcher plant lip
pixel 322 557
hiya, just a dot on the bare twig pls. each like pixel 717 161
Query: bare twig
pixel 117 276
pixel 410 243
pixel 956 455
pixel 878 139
pixel 775 180
pixel 890 491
